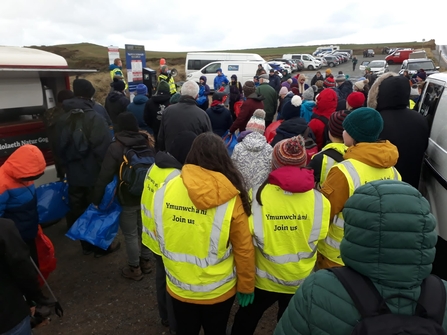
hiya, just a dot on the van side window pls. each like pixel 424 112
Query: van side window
pixel 439 128
pixel 430 103
pixel 212 68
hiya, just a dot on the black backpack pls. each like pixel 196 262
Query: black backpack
pixel 74 138
pixel 325 120
pixel 136 162
pixel 376 317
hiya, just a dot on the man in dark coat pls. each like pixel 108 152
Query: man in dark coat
pixel 270 96
pixel 185 115
pixel 405 128
pixel 274 81
pixel 116 101
pixel 220 116
pixel 253 102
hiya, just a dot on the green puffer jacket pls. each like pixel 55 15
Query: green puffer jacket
pixel 270 100
pixel 390 238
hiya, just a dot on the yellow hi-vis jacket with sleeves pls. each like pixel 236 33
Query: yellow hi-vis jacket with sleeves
pixel 119 73
pixel 286 230
pixel 194 244
pixel 357 174
pixel 170 81
pixel 155 178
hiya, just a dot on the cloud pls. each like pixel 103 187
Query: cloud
pixel 175 25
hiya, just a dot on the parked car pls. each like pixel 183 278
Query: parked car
pixel 398 56
pixel 331 61
pixel 413 65
pixel 348 51
pixel 364 65
pixel 309 61
pixel 277 66
pixel 378 67
pixel 289 62
pixel 433 184
pixel 322 60
pixel 369 53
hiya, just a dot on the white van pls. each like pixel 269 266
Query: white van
pixel 29 82
pixel 433 184
pixel 309 61
pixel 244 70
pixel 195 61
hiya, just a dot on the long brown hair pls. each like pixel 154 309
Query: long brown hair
pixel 209 151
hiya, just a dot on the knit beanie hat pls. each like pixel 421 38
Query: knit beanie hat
pixel 361 84
pixel 329 82
pixel 163 88
pixel 308 94
pixel 64 95
pixel 319 84
pixel 286 85
pixel 283 90
pixel 218 96
pixel 328 71
pixel 356 99
pixel 340 78
pixel 175 98
pixel 364 124
pixel 257 122
pixel 422 75
pixel 292 108
pixel 249 88
pixel 295 91
pixel 141 89
pixel 119 85
pixel 289 152
pixel 335 123
pixel 127 121
pixel 83 88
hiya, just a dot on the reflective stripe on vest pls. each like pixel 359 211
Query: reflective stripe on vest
pixel 268 276
pixel 171 82
pixel 336 230
pixel 328 163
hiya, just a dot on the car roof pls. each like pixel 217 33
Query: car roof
pixel 439 76
pixel 416 60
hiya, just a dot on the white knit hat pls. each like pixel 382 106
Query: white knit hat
pixel 257 122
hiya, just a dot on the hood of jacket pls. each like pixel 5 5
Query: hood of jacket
pixel 378 154
pixel 165 160
pixel 256 96
pixel 254 142
pixel 207 189
pixel 77 103
pixel 390 234
pixel 140 99
pixel 113 67
pixel 115 96
pixel 292 179
pixel 218 109
pixel 132 138
pixel 326 103
pixel 292 127
pixel 27 161
pixel 389 91
pixel 204 79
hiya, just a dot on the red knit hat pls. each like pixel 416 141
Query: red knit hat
pixel 289 152
pixel 356 99
pixel 335 123
pixel 329 82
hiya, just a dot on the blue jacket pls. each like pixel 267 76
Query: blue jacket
pixel 207 88
pixel 306 110
pixel 137 109
pixel 221 78
pixel 220 118
pixel 103 112
pixel 18 200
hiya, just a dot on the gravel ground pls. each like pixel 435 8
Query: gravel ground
pixel 97 300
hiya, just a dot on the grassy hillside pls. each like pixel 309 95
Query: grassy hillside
pixel 93 56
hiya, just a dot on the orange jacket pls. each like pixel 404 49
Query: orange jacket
pixel 209 189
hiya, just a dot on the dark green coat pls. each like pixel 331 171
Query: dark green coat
pixel 270 100
pixel 390 238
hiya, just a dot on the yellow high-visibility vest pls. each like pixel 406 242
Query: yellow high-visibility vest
pixel 155 178
pixel 328 162
pixel 171 82
pixel 194 243
pixel 357 174
pixel 286 230
pixel 118 72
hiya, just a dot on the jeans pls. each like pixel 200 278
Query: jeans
pixel 131 226
pixel 164 299
pixel 23 328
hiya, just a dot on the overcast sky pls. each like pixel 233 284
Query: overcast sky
pixel 179 25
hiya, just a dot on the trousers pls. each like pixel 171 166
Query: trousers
pixel 247 318
pixel 164 299
pixel 212 318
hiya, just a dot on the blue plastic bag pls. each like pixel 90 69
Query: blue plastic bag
pixel 52 201
pixel 230 141
pixel 99 226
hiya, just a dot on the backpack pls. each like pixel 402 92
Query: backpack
pixel 311 146
pixel 334 154
pixel 376 317
pixel 325 120
pixel 74 140
pixel 136 162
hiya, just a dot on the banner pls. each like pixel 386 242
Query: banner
pixel 135 62
pixel 114 53
pixel 9 144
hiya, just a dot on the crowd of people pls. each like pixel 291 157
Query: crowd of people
pixel 312 185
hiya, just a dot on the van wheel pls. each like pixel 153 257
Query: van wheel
pixel 310 67
pixel 331 64
pixel 390 62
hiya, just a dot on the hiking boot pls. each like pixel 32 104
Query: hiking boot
pixel 145 265
pixel 112 248
pixel 131 272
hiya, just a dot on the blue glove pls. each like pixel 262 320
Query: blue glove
pixel 245 299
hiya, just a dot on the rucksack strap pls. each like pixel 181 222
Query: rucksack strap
pixel 362 291
pixel 432 299
pixel 322 118
pixel 306 133
pixel 334 154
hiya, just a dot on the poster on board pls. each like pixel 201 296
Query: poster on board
pixel 135 62
pixel 114 53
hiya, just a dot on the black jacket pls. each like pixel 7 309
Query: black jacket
pixel 220 118
pixel 405 128
pixel 165 160
pixel 116 103
pixel 111 166
pixel 185 115
pixel 82 170
pixel 344 90
pixel 153 111
pixel 18 278
pixel 275 82
pixel 315 79
pixel 290 128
